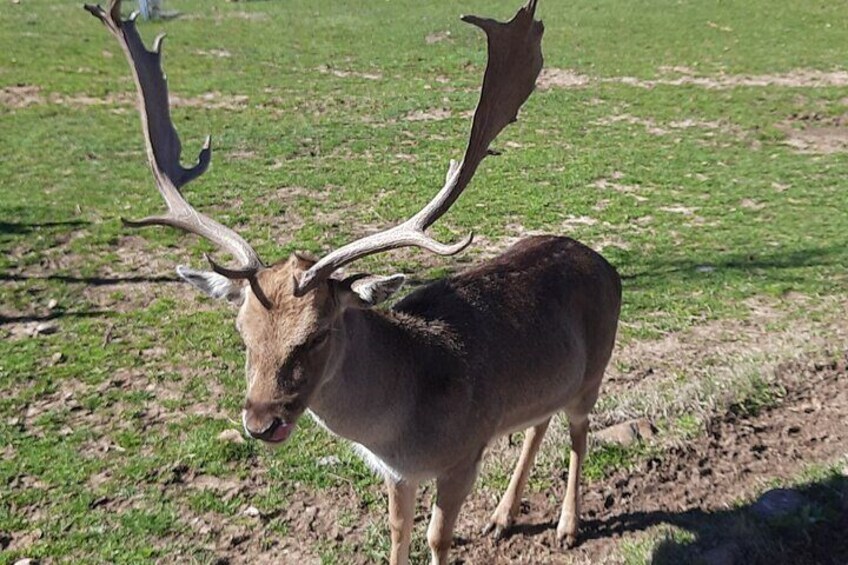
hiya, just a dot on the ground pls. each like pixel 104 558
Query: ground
pixel 700 147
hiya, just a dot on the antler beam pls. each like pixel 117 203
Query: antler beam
pixel 164 148
pixel 515 60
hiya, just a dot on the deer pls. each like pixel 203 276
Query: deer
pixel 419 389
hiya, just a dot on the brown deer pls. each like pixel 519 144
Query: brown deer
pixel 422 388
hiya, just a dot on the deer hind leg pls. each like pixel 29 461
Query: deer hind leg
pixel 451 491
pixel 401 517
pixel 507 509
pixel 569 519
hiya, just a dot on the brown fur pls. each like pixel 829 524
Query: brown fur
pixel 425 386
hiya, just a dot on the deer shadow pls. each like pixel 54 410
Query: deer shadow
pixel 814 532
pixel 776 265
pixel 53 316
pixel 93 280
pixel 21 228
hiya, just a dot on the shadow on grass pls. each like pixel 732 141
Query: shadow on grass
pixel 656 270
pixel 769 264
pixel 93 281
pixel 813 533
pixel 53 316
pixel 24 228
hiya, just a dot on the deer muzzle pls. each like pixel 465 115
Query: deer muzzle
pixel 263 422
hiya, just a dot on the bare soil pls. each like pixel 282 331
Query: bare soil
pixel 816 133
pixel 695 486
pixel 24 95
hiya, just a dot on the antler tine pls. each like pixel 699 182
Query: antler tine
pixel 514 63
pixel 163 144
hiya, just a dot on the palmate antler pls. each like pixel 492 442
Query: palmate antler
pixel 164 150
pixel 515 60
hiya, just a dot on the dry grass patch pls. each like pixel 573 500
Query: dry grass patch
pixel 683 76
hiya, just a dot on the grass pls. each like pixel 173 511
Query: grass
pixel 699 220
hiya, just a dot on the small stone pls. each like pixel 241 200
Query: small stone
pixel 52 304
pixel 309 514
pixel 627 433
pixel 26 561
pixel 328 461
pixel 778 503
pixel 251 512
pixel 57 358
pixel 232 436
pixel 45 328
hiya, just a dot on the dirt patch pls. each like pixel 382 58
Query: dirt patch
pixel 218 53
pixel 20 96
pixel 817 134
pixel 219 16
pixel 324 70
pixel 562 78
pixel 652 127
pixel 23 96
pixel 429 115
pixel 685 485
pixel 799 78
pixel 437 37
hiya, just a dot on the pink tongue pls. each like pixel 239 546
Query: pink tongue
pixel 281 433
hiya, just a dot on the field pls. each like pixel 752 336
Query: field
pixel 702 147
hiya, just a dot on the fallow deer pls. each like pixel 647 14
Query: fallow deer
pixel 422 388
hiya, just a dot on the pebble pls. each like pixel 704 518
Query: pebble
pixel 328 461
pixel 627 433
pixel 777 503
pixel 233 436
pixel 45 328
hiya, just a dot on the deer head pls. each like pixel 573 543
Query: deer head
pixel 288 311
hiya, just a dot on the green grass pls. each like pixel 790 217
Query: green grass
pixel 69 170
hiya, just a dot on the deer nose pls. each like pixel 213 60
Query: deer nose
pixel 260 422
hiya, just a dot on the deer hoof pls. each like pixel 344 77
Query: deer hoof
pixel 567 541
pixel 497 529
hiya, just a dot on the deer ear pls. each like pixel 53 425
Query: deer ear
pixel 214 285
pixel 364 291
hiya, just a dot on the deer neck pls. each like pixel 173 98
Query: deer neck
pixel 370 388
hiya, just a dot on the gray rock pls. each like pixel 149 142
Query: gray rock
pixel 46 328
pixel 328 461
pixel 778 503
pixel 232 436
pixel 627 433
